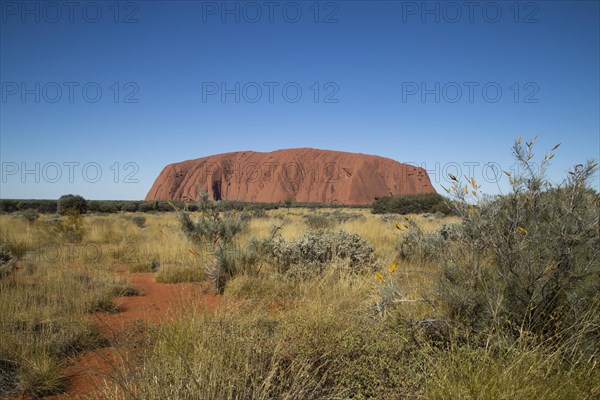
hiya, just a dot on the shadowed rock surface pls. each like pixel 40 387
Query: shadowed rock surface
pixel 299 175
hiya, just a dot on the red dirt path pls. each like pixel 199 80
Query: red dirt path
pixel 158 302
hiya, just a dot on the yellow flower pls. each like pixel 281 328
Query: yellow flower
pixel 521 230
pixel 466 189
pixel 379 276
pixel 392 267
pixel 519 139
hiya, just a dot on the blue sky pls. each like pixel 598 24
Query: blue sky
pixel 414 81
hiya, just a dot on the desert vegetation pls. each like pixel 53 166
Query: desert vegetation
pixel 413 204
pixel 154 206
pixel 498 300
pixel 52 279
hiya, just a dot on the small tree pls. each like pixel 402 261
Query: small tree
pixel 30 215
pixel 527 261
pixel 71 201
pixel 71 228
pixel 211 230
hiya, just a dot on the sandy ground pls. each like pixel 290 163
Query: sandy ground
pixel 159 302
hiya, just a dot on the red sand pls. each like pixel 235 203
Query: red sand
pixel 299 175
pixel 159 302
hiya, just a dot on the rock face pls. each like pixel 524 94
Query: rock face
pixel 298 175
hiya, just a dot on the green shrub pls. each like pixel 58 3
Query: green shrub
pixel 30 215
pixel 216 231
pixel 41 206
pixel 441 208
pixel 210 229
pixel 71 228
pixel 148 206
pixel 315 250
pixel 417 245
pixel 527 261
pixel 130 206
pixel 107 208
pixel 70 201
pixel 139 220
pixel 8 205
pixel 317 221
pixel 411 204
pixel 17 246
pixel 327 220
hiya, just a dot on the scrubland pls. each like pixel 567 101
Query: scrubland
pixel 499 302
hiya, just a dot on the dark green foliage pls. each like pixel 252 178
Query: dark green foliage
pixel 130 206
pixel 163 206
pixel 113 206
pixel 70 201
pixel 108 208
pixel 42 206
pixel 411 204
pixel 8 205
pixel 147 206
pixel 441 208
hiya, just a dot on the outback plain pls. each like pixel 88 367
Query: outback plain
pixel 493 297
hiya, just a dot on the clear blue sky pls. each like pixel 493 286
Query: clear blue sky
pixel 370 59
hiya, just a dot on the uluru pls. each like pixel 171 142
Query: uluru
pixel 298 175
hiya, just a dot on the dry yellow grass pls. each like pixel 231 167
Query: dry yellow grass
pixel 45 303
